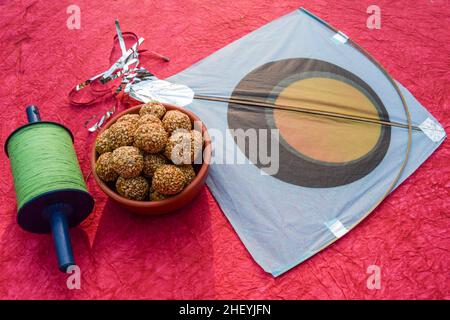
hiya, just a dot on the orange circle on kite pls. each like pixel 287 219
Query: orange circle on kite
pixel 322 138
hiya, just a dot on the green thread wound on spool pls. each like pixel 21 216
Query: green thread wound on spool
pixel 42 160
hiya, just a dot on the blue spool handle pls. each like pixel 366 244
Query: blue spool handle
pixel 61 238
pixel 57 216
pixel 54 210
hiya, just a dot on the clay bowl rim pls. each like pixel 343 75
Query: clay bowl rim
pixel 199 178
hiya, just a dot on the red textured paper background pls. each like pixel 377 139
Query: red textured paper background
pixel 194 253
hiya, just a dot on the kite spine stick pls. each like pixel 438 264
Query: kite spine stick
pixel 305 110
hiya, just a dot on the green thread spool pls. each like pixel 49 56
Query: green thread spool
pixel 50 188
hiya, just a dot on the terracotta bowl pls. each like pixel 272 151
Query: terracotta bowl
pixel 166 205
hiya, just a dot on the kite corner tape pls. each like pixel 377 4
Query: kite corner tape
pixel 340 37
pixel 336 227
pixel 433 130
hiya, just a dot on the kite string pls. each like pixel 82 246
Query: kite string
pixel 42 160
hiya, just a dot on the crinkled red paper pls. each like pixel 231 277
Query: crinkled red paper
pixel 194 253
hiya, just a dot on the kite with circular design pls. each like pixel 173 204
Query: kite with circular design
pixel 336 130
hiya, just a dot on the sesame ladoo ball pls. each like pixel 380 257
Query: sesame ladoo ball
pixel 102 142
pixel 189 173
pixel 153 162
pixel 174 119
pixel 178 148
pixel 156 196
pixel 155 108
pixel 150 138
pixel 133 188
pixel 168 180
pixel 133 118
pixel 128 161
pixel 184 147
pixel 104 167
pixel 149 119
pixel 121 134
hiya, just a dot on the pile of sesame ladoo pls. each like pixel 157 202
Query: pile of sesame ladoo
pixel 139 155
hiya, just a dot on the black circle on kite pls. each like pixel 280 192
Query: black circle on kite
pixel 314 151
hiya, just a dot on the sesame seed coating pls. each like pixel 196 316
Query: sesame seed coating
pixel 121 134
pixel 153 162
pixel 102 142
pixel 174 119
pixel 153 107
pixel 189 173
pixel 133 188
pixel 168 180
pixel 150 138
pixel 149 119
pixel 196 146
pixel 128 161
pixel 104 167
pixel 184 147
pixel 131 117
